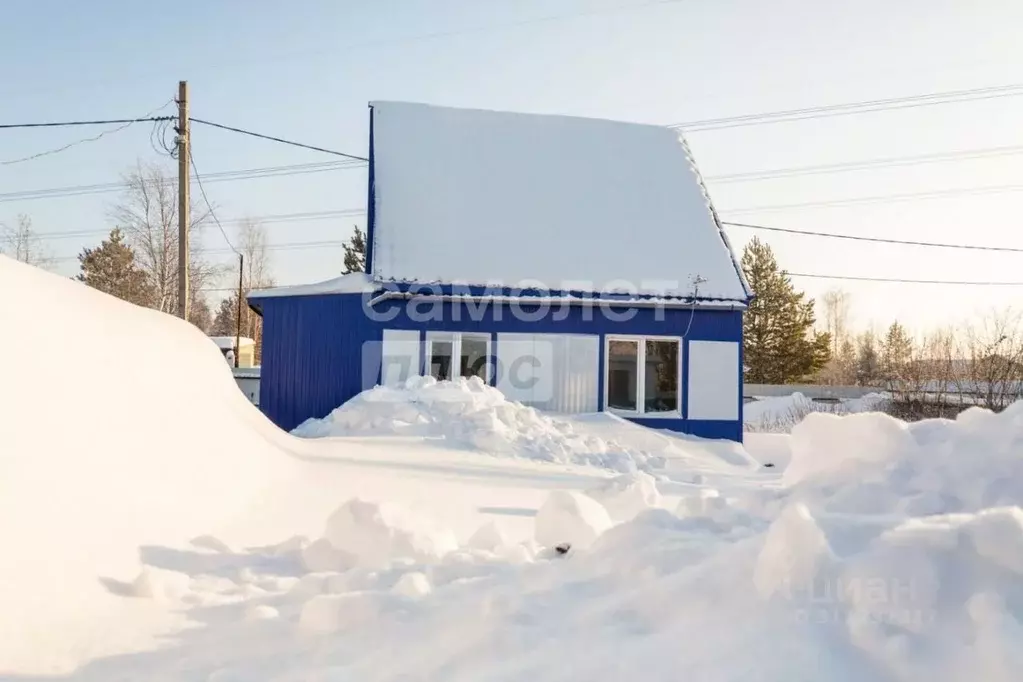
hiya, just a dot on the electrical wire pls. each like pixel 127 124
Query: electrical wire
pixel 847 166
pixel 878 240
pixel 850 108
pixel 273 218
pixel 278 139
pixel 880 198
pixel 221 176
pixel 213 213
pixel 124 123
pixel 898 280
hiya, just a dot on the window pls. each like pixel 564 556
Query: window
pixel 472 351
pixel 622 374
pixel 642 375
pixel 661 386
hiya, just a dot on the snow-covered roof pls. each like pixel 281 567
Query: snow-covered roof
pixel 227 342
pixel 553 202
pixel 354 283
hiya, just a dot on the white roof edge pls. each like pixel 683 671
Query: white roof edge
pixel 353 283
pixel 569 117
pixel 717 219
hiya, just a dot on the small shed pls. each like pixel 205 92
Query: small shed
pixel 246 353
pixel 575 264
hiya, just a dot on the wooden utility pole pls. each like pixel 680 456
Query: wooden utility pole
pixel 184 203
pixel 238 322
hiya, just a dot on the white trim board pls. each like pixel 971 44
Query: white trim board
pixel 713 389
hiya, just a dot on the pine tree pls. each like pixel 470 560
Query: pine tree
pixel 868 360
pixel 355 253
pixel 896 352
pixel 780 343
pixel 111 268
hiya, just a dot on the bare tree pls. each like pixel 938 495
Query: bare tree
pixel 992 361
pixel 148 215
pixel 837 305
pixel 252 244
pixel 21 243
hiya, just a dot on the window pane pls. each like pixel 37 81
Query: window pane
pixel 661 390
pixel 622 361
pixel 474 357
pixel 440 359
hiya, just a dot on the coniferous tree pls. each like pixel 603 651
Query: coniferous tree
pixel 355 253
pixel 896 352
pixel 781 345
pixel 868 360
pixel 112 269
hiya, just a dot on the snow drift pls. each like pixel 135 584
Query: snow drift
pixel 470 414
pixel 887 551
pixel 118 426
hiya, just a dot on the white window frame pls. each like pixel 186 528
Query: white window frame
pixel 640 340
pixel 456 351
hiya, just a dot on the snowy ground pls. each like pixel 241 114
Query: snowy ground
pixel 176 535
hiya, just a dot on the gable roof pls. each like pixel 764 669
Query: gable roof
pixel 557 203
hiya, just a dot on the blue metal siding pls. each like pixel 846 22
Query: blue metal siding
pixel 313 347
pixel 312 355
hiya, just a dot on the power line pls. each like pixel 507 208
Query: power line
pixel 65 124
pixel 887 162
pixel 220 176
pixel 881 198
pixel 278 139
pixel 850 108
pixel 202 190
pixel 123 124
pixel 284 246
pixel 878 240
pixel 273 218
pixel 896 280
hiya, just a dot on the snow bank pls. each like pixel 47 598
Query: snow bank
pixel 886 552
pixel 627 495
pixel 570 518
pixel 371 534
pixel 97 457
pixel 872 463
pixel 470 414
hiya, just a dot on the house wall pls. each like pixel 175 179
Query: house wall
pixel 309 366
pixel 320 351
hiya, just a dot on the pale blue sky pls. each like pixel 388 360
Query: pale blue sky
pixel 308 71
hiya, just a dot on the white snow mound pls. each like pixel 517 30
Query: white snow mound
pixel 142 438
pixel 871 463
pixel 369 534
pixel 468 413
pixel 627 495
pixel 570 517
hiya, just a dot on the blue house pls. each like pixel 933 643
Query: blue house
pixel 575 264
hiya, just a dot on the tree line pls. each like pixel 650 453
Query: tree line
pixel 933 375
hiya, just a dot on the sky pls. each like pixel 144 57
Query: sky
pixel 308 72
